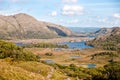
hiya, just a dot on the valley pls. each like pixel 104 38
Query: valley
pixel 36 50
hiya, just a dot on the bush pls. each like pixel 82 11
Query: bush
pixel 8 49
pixel 46 45
pixel 49 54
pixel 113 71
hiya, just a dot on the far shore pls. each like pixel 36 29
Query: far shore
pixel 53 40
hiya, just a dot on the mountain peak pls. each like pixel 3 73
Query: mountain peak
pixel 23 26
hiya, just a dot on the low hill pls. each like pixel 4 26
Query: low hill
pixel 108 39
pixel 23 26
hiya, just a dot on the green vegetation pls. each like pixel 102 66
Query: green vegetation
pixel 49 54
pixel 110 71
pixel 18 64
pixel 110 43
pixel 22 70
pixel 35 67
pixel 8 49
pixel 110 54
pixel 113 71
pixel 46 45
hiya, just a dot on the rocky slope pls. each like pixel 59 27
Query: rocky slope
pixel 110 40
pixel 104 33
pixel 23 26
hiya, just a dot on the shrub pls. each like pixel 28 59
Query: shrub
pixel 8 49
pixel 46 45
pixel 49 54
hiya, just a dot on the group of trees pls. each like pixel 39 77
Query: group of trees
pixel 49 54
pixel 46 45
pixel 110 71
pixel 110 54
pixel 110 43
pixel 8 49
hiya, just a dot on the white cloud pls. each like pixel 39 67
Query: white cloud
pixel 102 20
pixel 15 1
pixel 69 1
pixel 54 13
pixel 75 21
pixel 72 10
pixel 3 13
pixel 116 15
pixel 61 20
pixel 12 12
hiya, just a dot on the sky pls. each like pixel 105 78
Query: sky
pixel 70 13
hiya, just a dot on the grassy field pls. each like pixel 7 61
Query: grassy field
pixel 9 71
pixel 28 70
pixel 65 57
pixel 19 63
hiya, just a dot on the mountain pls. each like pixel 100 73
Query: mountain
pixel 23 26
pixel 83 29
pixel 108 38
pixel 104 33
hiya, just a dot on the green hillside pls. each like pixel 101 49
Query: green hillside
pixel 18 64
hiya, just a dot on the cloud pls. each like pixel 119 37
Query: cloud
pixel 102 20
pixel 12 12
pixel 116 15
pixel 72 10
pixel 16 1
pixel 53 13
pixel 3 13
pixel 103 4
pixel 75 21
pixel 69 1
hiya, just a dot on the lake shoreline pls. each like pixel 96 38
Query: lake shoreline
pixel 54 40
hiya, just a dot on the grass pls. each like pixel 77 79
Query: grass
pixel 27 70
pixel 63 57
pixel 35 67
pixel 57 75
pixel 11 72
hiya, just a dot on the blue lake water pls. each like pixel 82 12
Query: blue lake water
pixel 91 65
pixel 49 61
pixel 71 45
pixel 20 44
pixel 78 45
pixel 74 57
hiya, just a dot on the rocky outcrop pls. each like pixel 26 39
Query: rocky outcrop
pixel 23 26
pixel 108 41
pixel 104 33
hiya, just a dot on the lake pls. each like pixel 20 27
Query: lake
pixel 76 45
pixel 20 44
pixel 71 45
pixel 49 61
pixel 91 65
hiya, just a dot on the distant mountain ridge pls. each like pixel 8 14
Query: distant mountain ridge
pixel 23 26
pixel 84 29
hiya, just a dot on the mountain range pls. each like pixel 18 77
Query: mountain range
pixel 84 29
pixel 23 26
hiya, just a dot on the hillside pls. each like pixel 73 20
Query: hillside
pixel 16 63
pixel 107 39
pixel 23 26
